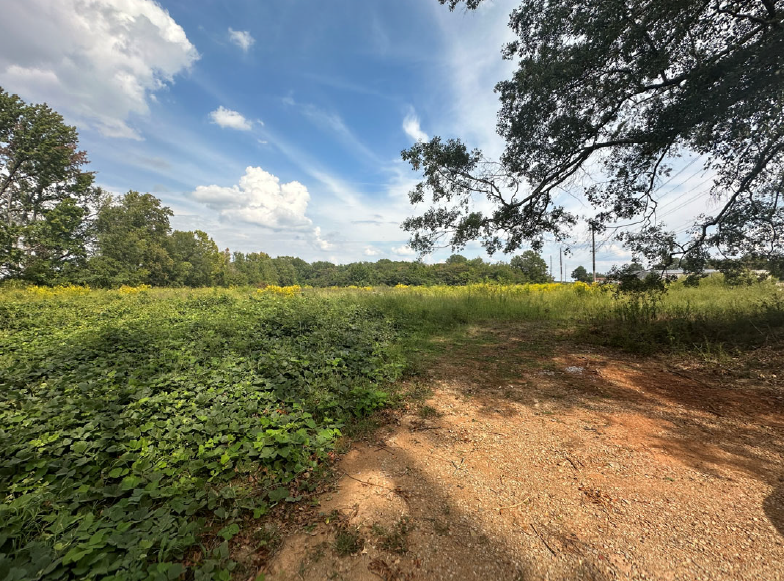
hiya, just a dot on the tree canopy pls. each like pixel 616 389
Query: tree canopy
pixel 619 89
pixel 133 242
pixel 533 266
pixel 45 194
pixel 581 275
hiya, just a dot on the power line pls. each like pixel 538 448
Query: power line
pixel 684 168
pixel 684 204
pixel 687 192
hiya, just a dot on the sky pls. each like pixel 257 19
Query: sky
pixel 277 125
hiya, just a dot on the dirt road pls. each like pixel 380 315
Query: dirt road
pixel 529 458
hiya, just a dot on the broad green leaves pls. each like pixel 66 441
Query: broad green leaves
pixel 137 428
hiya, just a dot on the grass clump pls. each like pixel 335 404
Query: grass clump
pixel 394 540
pixel 348 541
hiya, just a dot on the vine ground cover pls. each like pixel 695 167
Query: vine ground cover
pixel 131 424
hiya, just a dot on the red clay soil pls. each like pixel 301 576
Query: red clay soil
pixel 533 459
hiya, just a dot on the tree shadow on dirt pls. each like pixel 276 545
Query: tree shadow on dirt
pixel 465 523
pixel 774 508
pixel 719 430
pixel 443 538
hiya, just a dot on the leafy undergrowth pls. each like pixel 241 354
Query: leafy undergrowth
pixel 137 431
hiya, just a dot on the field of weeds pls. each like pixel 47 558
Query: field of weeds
pixel 138 428
pixel 141 428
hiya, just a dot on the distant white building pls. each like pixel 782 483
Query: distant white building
pixel 675 273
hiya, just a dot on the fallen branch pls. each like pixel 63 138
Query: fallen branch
pixel 690 378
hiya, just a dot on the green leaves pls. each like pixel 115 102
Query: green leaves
pixel 278 494
pixel 228 532
pixel 46 195
pixel 131 430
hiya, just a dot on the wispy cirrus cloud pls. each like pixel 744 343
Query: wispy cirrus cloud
pixel 412 128
pixel 333 123
pixel 472 67
pixel 241 38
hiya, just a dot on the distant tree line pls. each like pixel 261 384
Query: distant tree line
pixel 57 227
pixel 131 242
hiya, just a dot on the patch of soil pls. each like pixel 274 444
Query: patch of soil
pixel 546 460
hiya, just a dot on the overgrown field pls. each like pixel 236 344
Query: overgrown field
pixel 141 428
pixel 713 315
pixel 133 424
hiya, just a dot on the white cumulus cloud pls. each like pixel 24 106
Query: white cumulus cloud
pixel 319 241
pixel 412 128
pixel 241 38
pixel 96 61
pixel 259 199
pixel 370 251
pixel 404 250
pixel 230 119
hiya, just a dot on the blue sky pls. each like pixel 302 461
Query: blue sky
pixel 273 125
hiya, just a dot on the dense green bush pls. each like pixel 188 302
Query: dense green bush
pixel 131 424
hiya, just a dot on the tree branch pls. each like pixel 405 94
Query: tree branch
pixel 771 152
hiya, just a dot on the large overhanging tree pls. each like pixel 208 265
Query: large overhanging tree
pixel 618 89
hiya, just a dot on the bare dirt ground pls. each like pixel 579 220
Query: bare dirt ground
pixel 527 458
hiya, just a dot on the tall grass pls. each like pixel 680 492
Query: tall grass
pixel 445 307
pixel 713 313
pixel 709 315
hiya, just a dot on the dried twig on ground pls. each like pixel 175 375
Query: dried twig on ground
pixel 500 508
pixel 369 483
pixel 541 538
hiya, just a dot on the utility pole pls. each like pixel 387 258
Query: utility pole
pixel 593 247
pixel 560 262
pixel 552 274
